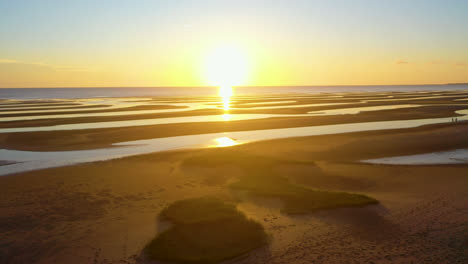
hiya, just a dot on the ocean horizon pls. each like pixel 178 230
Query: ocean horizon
pixel 93 92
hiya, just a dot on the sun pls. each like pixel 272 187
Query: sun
pixel 226 66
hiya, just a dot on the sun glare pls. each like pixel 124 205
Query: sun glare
pixel 226 66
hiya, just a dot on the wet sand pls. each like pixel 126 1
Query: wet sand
pixel 105 212
pixel 105 137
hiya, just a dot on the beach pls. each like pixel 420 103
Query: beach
pixel 87 186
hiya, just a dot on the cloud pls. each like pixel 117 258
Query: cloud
pixel 402 62
pixel 459 63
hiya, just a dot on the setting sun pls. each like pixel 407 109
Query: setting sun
pixel 290 131
pixel 226 66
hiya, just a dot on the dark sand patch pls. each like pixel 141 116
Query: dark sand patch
pixel 261 179
pixel 206 230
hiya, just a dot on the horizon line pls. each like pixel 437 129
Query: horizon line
pixel 237 86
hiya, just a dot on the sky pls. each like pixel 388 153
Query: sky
pixel 117 43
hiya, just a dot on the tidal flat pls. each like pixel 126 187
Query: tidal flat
pixel 311 195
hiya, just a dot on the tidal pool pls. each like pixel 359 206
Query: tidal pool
pixel 188 119
pixel 458 156
pixel 357 110
pixel 140 122
pixel 184 107
pixel 33 160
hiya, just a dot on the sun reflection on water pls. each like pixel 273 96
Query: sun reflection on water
pixel 225 92
pixel 225 142
pixel 226 117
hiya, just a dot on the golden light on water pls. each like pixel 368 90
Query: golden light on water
pixel 226 66
pixel 225 142
pixel 225 92
pixel 226 117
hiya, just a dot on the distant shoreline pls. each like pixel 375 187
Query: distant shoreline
pixel 246 86
pixel 96 92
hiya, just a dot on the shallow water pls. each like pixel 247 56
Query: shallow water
pixel 288 106
pixel 32 160
pixel 110 105
pixel 39 106
pixel 268 103
pixel 57 109
pixel 57 93
pixel 140 122
pixel 458 156
pixel 357 110
pixel 415 98
pixel 184 108
pixel 185 119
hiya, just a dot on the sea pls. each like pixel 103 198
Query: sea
pixel 70 93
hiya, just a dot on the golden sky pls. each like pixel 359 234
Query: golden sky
pixel 168 43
